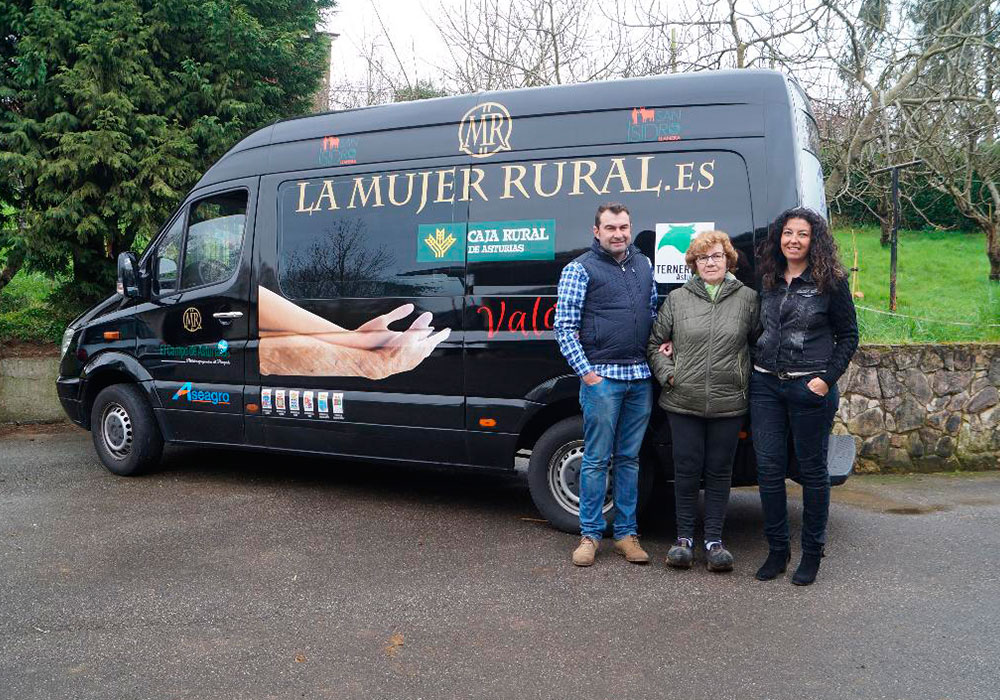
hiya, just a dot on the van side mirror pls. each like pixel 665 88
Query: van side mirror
pixel 128 280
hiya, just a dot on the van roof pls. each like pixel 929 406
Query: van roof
pixel 748 86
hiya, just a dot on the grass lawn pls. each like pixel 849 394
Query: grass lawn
pixel 942 276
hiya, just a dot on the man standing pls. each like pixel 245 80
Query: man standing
pixel 605 309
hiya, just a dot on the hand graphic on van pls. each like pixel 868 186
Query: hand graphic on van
pixel 297 342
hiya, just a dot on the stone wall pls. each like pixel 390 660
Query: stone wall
pixel 909 407
pixel 923 407
pixel 28 389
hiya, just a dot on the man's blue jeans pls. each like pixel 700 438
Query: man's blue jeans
pixel 615 415
pixel 779 407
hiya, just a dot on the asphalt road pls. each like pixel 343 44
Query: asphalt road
pixel 229 575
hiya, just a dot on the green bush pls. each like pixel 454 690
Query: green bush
pixel 32 324
pixel 26 314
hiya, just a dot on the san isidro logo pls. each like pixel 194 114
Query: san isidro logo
pixel 672 242
pixel 223 348
pixel 189 393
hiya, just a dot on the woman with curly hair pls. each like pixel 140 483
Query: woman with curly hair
pixel 809 334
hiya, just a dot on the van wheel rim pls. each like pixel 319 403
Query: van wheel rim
pixel 116 428
pixel 564 478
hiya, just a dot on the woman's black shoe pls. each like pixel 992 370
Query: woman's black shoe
pixel 776 562
pixel 808 568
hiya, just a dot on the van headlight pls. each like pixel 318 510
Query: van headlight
pixel 66 340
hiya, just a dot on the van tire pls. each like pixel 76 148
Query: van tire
pixel 553 472
pixel 124 430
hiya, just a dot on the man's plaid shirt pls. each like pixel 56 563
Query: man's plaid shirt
pixel 572 291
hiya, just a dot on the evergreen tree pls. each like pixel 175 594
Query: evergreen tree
pixel 110 110
pixel 12 247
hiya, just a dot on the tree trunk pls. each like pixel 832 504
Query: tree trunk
pixel 884 211
pixel 93 275
pixel 993 250
pixel 15 259
pixel 886 237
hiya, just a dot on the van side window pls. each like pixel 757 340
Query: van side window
pixel 214 238
pixel 372 235
pixel 168 260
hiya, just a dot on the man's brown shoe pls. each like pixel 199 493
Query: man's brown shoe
pixel 585 552
pixel 629 548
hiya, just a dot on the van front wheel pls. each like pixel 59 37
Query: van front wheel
pixel 125 433
pixel 554 476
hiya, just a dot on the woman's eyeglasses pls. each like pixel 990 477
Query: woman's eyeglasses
pixel 714 257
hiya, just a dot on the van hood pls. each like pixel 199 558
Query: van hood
pixel 112 303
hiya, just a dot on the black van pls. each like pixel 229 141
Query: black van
pixel 380 283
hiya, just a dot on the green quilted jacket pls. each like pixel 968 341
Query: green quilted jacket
pixel 710 366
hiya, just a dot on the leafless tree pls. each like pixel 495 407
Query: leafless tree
pixel 715 34
pixel 501 44
pixel 376 84
pixel 949 118
pixel 919 73
pixel 876 49
pixel 385 77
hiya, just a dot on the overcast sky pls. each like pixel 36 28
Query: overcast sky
pixel 416 40
pixel 406 22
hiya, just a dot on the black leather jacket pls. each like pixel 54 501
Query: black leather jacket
pixel 804 330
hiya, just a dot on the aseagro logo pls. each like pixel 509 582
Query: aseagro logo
pixel 189 393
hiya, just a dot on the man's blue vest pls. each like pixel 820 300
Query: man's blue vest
pixel 615 321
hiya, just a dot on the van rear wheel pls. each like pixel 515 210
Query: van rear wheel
pixel 554 476
pixel 124 430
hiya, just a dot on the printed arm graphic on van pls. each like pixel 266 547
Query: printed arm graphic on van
pixel 294 341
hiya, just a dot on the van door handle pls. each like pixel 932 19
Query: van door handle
pixel 227 315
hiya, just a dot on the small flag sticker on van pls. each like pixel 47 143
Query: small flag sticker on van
pixel 323 404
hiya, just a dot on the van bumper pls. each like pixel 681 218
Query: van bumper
pixel 69 390
pixel 840 458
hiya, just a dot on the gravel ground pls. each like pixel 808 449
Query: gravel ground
pixel 235 575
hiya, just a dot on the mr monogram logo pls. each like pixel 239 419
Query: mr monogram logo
pixel 485 130
pixel 191 319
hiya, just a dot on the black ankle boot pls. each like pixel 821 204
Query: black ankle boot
pixel 808 568
pixel 776 562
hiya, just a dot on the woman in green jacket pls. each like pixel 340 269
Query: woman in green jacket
pixel 708 322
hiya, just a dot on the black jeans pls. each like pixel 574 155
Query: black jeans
pixel 778 407
pixel 703 447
